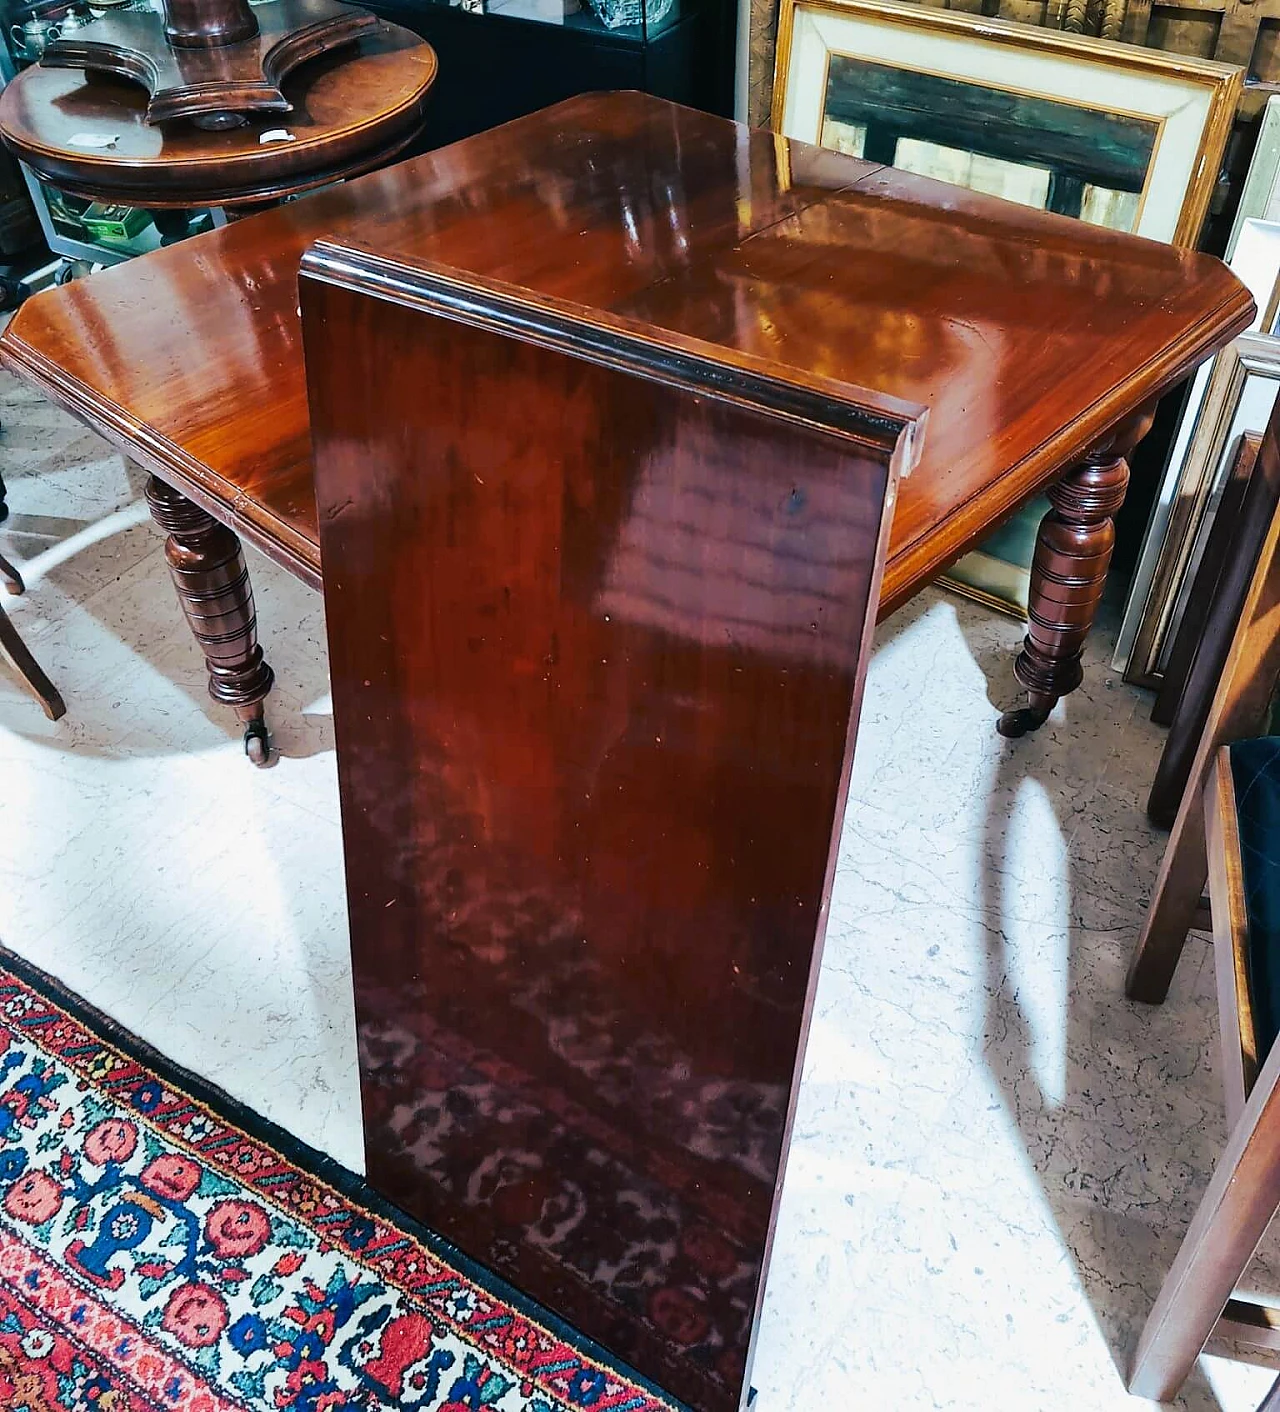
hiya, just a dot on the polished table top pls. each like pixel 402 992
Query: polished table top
pixel 352 110
pixel 1025 335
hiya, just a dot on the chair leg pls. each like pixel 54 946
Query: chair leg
pixel 1237 1025
pixel 26 666
pixel 10 577
pixel 1271 1403
pixel 208 570
pixel 1231 1219
pixel 1239 707
pixel 4 504
pixel 1183 872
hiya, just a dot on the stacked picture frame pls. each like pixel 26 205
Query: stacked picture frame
pixel 1227 399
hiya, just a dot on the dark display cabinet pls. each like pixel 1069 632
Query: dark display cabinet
pixel 500 59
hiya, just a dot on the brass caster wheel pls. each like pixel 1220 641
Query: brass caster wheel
pixel 257 743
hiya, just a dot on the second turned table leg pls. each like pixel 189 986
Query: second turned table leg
pixel 1069 572
pixel 208 569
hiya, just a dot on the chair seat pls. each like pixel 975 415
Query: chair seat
pixel 1255 776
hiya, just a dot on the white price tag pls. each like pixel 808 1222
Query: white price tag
pixel 93 139
pixel 277 134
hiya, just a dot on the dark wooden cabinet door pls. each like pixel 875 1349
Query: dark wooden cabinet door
pixel 597 647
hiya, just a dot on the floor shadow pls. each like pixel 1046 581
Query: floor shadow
pixel 1121 1237
pixel 1055 1127
pixel 81 564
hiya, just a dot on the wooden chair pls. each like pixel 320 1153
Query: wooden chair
pixel 18 655
pixel 1240 708
pixel 12 647
pixel 1224 830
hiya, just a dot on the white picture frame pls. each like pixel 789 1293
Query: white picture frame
pixel 1189 101
pixel 1260 196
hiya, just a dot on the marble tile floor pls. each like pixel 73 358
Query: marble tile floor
pixel 994 1155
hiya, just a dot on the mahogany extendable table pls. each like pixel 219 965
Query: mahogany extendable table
pixel 1037 344
pixel 625 423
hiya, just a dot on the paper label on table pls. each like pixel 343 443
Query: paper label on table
pixel 277 134
pixel 93 139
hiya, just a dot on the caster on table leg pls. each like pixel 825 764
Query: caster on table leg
pixel 257 741
pixel 1013 725
pixel 212 580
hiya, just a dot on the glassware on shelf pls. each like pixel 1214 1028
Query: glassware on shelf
pixel 615 14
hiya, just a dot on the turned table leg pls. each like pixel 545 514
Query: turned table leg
pixel 1073 552
pixel 212 580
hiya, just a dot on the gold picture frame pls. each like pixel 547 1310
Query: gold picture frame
pixel 1223 82
pixel 967 99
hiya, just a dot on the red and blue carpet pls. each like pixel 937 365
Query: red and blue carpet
pixel 161 1248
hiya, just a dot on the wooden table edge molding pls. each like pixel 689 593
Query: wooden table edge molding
pixel 906 571
pixel 910 569
pixel 159 457
pixel 622 341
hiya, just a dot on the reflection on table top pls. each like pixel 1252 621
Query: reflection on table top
pixel 352 110
pixel 1026 335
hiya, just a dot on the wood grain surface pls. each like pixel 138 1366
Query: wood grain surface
pixel 351 111
pixel 598 627
pixel 1027 336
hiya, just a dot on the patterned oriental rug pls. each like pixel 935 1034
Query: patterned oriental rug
pixel 163 1248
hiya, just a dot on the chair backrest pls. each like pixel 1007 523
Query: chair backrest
pixel 1242 1050
pixel 1240 707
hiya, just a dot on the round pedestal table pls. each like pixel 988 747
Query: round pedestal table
pixel 354 109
